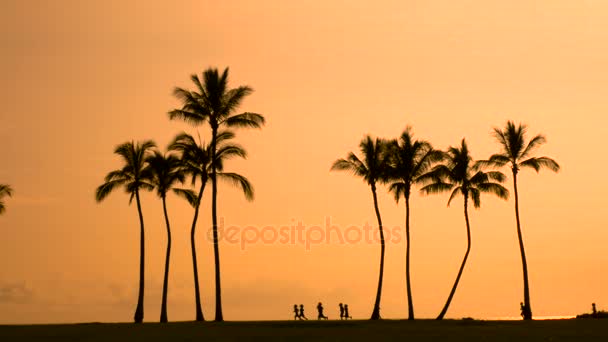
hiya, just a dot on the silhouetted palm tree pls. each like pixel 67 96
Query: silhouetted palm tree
pixel 196 161
pixel 5 190
pixel 517 153
pixel 460 175
pixel 215 103
pixel 134 175
pixel 166 171
pixel 373 169
pixel 409 160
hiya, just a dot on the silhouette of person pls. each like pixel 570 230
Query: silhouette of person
pixel 341 310
pixel 346 314
pixel 302 316
pixel 522 308
pixel 593 309
pixel 296 312
pixel 320 309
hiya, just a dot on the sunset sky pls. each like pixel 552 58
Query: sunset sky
pixel 80 77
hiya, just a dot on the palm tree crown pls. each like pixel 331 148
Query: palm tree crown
pixel 373 168
pixel 134 175
pixel 517 152
pixel 214 102
pixel 5 190
pixel 462 176
pixel 196 159
pixel 408 161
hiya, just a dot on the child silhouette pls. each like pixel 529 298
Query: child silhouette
pixel 346 314
pixel 296 312
pixel 320 309
pixel 302 316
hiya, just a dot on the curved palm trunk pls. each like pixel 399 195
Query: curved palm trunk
pixel 163 308
pixel 527 311
pixel 464 261
pixel 376 312
pixel 219 317
pixel 139 310
pixel 197 293
pixel 410 304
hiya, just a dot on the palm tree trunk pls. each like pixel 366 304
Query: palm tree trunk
pixel 376 312
pixel 464 261
pixel 163 307
pixel 219 317
pixel 139 310
pixel 527 311
pixel 410 304
pixel 197 293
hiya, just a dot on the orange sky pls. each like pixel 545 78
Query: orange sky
pixel 79 77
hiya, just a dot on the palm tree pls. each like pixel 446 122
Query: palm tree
pixel 5 190
pixel 215 103
pixel 166 171
pixel 196 161
pixel 409 160
pixel 134 176
pixel 517 153
pixel 373 169
pixel 460 175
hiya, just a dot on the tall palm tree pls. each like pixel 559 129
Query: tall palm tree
pixel 215 103
pixel 5 190
pixel 134 176
pixel 409 160
pixel 166 171
pixel 373 170
pixel 517 152
pixel 460 175
pixel 196 162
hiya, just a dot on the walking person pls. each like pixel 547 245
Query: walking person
pixel 341 311
pixel 346 314
pixel 320 309
pixel 296 312
pixel 302 316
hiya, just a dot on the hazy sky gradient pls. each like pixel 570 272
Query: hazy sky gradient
pixel 79 77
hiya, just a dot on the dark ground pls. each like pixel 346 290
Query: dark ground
pixel 420 330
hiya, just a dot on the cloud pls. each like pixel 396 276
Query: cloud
pixel 15 293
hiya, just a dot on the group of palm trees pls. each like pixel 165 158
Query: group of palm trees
pixel 5 190
pixel 145 168
pixel 407 162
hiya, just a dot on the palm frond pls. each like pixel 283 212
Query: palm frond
pixel 5 190
pixel 398 189
pixel 187 116
pixel 238 180
pixel 234 97
pixel 187 194
pixel 106 188
pixel 495 161
pixel 537 163
pixel 533 145
pixel 436 188
pixel 457 190
pixel 252 120
pixel 494 188
pixel 475 195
